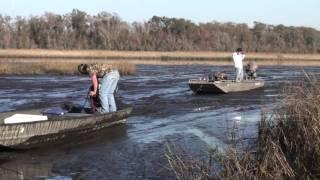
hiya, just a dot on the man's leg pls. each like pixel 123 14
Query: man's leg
pixel 103 93
pixel 240 74
pixel 114 78
pixel 237 74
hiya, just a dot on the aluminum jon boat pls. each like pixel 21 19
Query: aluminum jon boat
pixel 224 86
pixel 25 135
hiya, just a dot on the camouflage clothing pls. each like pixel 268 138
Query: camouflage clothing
pixel 216 76
pixel 251 70
pixel 99 69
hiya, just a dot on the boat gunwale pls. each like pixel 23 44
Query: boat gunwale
pixel 200 86
pixel 199 81
pixel 80 118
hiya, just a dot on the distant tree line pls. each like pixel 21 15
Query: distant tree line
pixel 79 30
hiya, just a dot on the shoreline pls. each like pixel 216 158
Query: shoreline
pixel 37 61
pixel 220 62
pixel 147 55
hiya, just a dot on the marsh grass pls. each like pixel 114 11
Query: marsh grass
pixel 287 145
pixel 61 67
pixel 142 57
pixel 185 166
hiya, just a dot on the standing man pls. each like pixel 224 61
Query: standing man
pixel 238 57
pixel 108 83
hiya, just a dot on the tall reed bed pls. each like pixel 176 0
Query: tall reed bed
pixel 62 67
pixel 150 55
pixel 287 145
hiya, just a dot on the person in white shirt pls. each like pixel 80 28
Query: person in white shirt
pixel 238 57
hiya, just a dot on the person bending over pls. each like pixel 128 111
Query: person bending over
pixel 251 70
pixel 109 78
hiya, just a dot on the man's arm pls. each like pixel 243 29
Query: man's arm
pixel 95 84
pixel 234 57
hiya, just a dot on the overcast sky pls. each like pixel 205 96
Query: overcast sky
pixel 286 12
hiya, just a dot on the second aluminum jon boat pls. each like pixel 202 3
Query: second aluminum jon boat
pixel 224 86
pixel 24 135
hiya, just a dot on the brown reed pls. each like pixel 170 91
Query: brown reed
pixel 287 146
pixel 152 55
pixel 61 67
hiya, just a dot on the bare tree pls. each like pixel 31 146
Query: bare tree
pixel 79 30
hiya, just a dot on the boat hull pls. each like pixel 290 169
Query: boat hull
pixel 223 87
pixel 29 135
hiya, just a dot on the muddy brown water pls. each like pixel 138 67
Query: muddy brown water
pixel 164 110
